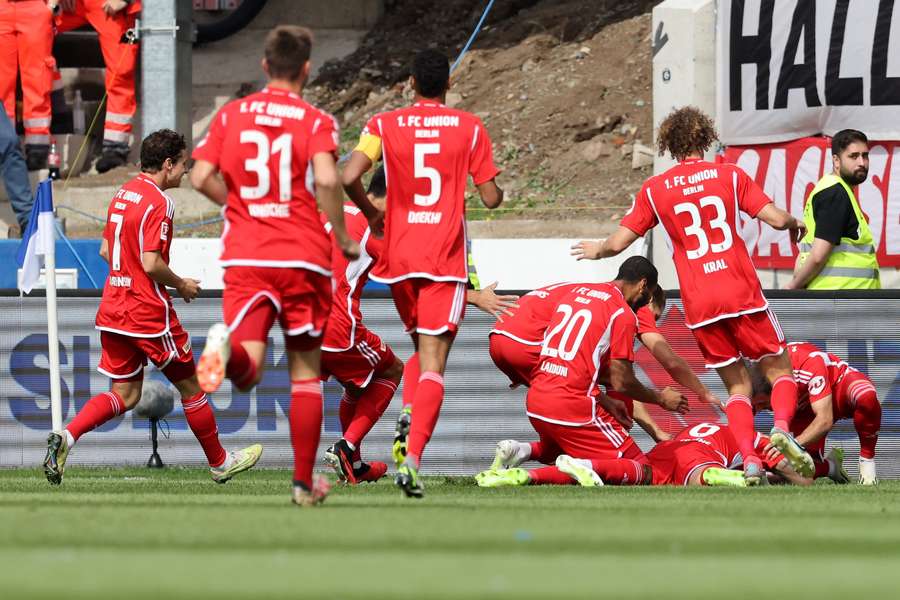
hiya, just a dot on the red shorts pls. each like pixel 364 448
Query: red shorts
pixel 360 363
pixel 123 357
pixel 301 300
pixel 594 441
pixel 754 336
pixel 430 307
pixel 674 462
pixel 515 359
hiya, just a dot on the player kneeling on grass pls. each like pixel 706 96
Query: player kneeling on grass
pixel 592 331
pixel 702 454
pixel 830 391
pixel 136 319
pixel 355 356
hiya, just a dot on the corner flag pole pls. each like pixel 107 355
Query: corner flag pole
pixel 53 339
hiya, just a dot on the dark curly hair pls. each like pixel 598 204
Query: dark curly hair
pixel 159 146
pixel 685 131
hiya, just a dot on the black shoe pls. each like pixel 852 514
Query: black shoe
pixel 340 457
pixel 114 155
pixel 36 156
pixel 55 461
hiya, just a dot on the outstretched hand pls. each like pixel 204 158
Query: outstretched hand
pixel 493 304
pixel 587 250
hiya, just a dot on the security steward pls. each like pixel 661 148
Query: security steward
pixel 838 250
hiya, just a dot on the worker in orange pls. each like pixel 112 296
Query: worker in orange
pixel 113 20
pixel 26 46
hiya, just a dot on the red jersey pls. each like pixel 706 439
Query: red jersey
pixel 349 280
pixel 591 325
pixel 697 203
pixel 263 145
pixel 529 322
pixel 818 373
pixel 720 440
pixel 138 220
pixel 429 152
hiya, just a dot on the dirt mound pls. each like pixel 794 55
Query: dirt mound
pixel 563 87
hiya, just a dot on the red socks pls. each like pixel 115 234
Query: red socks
pixel 369 408
pixel 537 453
pixel 784 401
pixel 202 421
pixel 427 406
pixel 619 471
pixel 549 476
pixel 98 410
pixel 740 422
pixel 306 426
pixel 240 369
pixel 410 379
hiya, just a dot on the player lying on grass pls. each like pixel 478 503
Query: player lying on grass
pixel 830 391
pixel 702 454
pixel 136 318
pixel 271 160
pixel 429 152
pixel 592 331
pixel 698 203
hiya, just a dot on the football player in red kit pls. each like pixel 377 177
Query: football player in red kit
pixel 701 454
pixel 354 355
pixel 698 205
pixel 830 390
pixel 517 359
pixel 429 152
pixel 276 154
pixel 136 319
pixel 591 333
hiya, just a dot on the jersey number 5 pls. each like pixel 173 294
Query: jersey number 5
pixel 260 165
pixel 570 320
pixel 420 151
pixel 696 226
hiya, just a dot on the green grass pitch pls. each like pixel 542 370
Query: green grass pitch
pixel 135 533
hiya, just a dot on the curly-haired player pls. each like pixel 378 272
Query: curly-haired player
pixel 697 203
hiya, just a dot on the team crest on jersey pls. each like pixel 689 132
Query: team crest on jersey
pixel 816 385
pixel 164 231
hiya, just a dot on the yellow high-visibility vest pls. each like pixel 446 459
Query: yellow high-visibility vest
pixel 852 264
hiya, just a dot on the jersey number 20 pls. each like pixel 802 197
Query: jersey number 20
pixel 571 319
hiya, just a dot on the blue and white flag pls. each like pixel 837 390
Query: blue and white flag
pixel 39 239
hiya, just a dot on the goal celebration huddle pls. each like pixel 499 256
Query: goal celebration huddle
pixel 304 234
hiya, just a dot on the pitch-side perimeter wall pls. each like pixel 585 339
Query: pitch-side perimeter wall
pixel 479 408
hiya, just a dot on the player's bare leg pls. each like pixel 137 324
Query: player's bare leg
pixel 305 418
pixel 122 396
pixel 739 411
pixel 202 421
pixel 433 351
pixel 777 369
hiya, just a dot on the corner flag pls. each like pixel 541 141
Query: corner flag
pixel 39 238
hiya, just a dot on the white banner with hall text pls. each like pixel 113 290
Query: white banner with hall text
pixel 787 69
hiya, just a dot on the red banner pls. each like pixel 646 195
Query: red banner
pixel 787 173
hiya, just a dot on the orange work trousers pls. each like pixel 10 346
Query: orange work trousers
pixel 119 56
pixel 26 47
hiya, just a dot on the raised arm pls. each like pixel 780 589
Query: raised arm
pixel 205 179
pixel 330 198
pixel 611 246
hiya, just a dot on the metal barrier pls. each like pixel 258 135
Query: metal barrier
pixel 478 410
